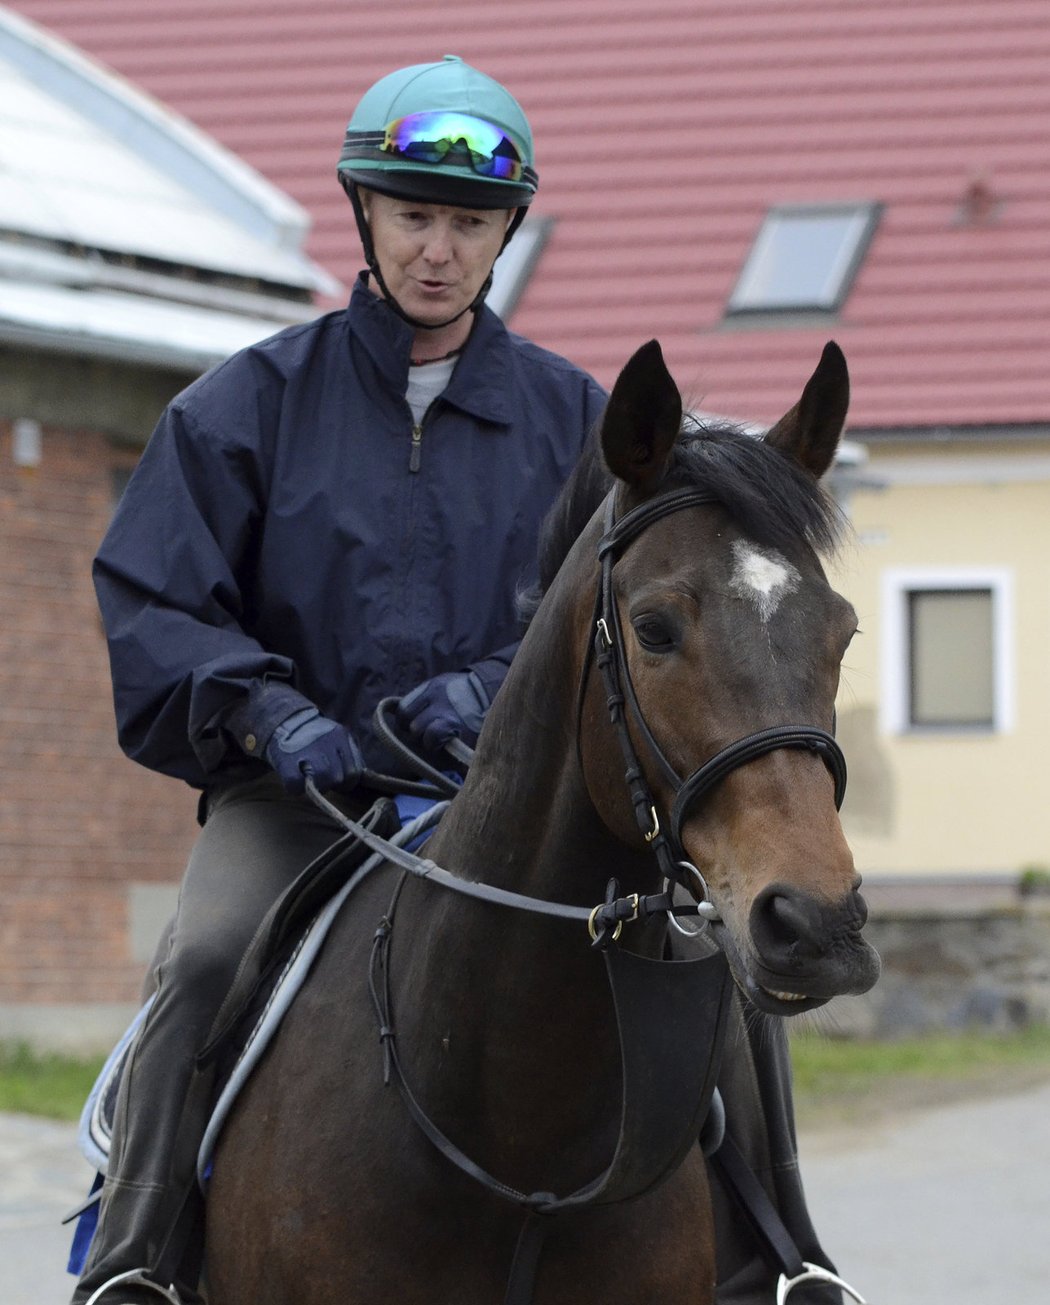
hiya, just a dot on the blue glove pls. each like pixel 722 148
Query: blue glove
pixel 450 706
pixel 307 743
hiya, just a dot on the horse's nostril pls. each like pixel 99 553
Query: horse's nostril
pixel 787 927
pixel 787 917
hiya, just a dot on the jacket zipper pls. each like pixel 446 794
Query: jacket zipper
pixel 415 458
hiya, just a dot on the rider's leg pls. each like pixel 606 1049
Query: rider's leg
pixel 755 1085
pixel 255 841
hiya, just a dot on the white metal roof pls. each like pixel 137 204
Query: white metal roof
pixel 127 327
pixel 94 174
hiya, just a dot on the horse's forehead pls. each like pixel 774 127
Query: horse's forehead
pixel 713 543
pixel 761 576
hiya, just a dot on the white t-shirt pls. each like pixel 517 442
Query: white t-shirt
pixel 425 382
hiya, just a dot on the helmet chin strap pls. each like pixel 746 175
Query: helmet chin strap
pixel 374 269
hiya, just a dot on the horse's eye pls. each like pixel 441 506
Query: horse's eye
pixel 653 634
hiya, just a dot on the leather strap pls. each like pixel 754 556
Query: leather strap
pixel 668 1070
pixel 521 1282
pixel 713 771
pixel 776 1243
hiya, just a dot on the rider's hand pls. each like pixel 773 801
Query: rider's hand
pixel 307 743
pixel 450 706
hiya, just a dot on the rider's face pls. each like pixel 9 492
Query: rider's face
pixel 434 257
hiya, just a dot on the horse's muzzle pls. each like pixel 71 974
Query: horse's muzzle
pixel 805 950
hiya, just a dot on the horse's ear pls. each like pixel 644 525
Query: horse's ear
pixel 642 419
pixel 810 432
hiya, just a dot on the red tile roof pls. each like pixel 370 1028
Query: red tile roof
pixel 664 132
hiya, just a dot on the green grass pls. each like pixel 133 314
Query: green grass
pixel 44 1084
pixel 839 1078
pixel 835 1078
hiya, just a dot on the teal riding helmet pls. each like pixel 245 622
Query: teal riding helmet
pixel 444 133
pixel 440 133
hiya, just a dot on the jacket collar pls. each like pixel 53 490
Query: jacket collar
pixel 481 380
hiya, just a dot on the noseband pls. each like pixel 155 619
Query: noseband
pixel 610 654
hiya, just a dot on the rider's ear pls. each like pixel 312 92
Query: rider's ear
pixel 642 420
pixel 810 432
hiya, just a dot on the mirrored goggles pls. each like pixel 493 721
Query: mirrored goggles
pixel 431 137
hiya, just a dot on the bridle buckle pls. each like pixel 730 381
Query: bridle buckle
pixel 633 901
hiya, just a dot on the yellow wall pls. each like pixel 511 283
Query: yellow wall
pixel 949 802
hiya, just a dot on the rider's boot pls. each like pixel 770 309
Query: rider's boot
pixel 755 1086
pixel 254 845
pixel 147 1186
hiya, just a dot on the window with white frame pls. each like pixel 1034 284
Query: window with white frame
pixel 947 650
pixel 804 258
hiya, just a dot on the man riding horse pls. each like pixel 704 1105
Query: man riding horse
pixel 338 515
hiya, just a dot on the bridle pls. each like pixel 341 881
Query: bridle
pixel 610 655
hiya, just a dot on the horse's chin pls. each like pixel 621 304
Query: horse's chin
pixel 772 1002
pixel 779 995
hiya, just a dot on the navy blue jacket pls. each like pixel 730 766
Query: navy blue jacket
pixel 285 536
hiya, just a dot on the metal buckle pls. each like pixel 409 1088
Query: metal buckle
pixel 636 904
pixel 594 932
pixel 815 1273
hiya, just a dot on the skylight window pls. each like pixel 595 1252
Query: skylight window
pixel 804 258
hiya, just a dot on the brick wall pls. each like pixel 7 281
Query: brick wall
pixel 79 823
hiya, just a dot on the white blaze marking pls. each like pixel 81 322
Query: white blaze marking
pixel 763 577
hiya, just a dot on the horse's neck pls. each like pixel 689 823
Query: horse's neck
pixel 517 1025
pixel 524 819
pixel 525 822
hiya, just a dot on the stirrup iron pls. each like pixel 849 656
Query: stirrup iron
pixel 133 1278
pixel 813 1273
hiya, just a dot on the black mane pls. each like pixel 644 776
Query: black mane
pixel 770 498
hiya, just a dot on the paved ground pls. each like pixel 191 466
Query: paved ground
pixel 949 1206
pixel 943 1207
pixel 41 1178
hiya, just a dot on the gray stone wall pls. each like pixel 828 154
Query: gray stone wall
pixel 948 968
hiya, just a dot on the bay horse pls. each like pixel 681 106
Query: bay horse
pixel 702 571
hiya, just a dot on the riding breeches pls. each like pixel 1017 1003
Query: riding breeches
pixel 255 842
